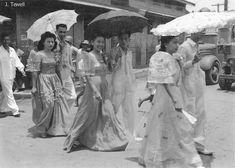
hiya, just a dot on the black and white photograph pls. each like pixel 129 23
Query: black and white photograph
pixel 117 83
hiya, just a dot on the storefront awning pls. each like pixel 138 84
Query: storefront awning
pixel 90 4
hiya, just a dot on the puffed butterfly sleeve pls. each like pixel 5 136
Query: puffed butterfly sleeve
pixel 34 62
pixel 162 69
pixel 89 64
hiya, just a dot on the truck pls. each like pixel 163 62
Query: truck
pixel 210 59
pixel 217 50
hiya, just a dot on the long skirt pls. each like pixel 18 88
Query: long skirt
pixel 95 124
pixel 168 140
pixel 50 110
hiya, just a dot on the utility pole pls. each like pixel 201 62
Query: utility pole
pixel 225 5
pixel 218 5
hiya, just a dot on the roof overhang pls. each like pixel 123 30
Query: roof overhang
pixel 80 2
pixel 186 2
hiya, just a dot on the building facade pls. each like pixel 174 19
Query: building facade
pixel 25 12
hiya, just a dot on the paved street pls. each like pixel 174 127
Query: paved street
pixel 18 149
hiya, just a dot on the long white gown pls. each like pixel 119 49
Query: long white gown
pixel 167 142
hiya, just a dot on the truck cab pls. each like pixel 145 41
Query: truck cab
pixel 210 57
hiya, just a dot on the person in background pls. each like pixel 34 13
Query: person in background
pixel 75 53
pixel 83 51
pixel 19 77
pixel 123 81
pixel 66 68
pixel 193 88
pixel 9 61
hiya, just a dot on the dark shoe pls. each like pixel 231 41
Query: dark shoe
pixel 16 115
pixel 43 135
pixel 205 152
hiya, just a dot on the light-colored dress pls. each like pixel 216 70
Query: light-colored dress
pixel 95 124
pixel 167 141
pixel 123 88
pixel 50 110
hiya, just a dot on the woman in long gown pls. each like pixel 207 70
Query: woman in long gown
pixel 50 110
pixel 167 141
pixel 95 124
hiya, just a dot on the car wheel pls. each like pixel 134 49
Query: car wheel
pixel 212 75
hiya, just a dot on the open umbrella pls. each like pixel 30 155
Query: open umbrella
pixel 113 22
pixel 4 18
pixel 195 22
pixel 49 22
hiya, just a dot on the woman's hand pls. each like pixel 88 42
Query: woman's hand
pixel 34 90
pixel 98 96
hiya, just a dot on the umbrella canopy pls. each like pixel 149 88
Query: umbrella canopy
pixel 4 18
pixel 195 22
pixel 49 22
pixel 113 22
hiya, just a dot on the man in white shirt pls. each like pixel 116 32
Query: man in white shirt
pixel 66 65
pixel 9 61
pixel 193 88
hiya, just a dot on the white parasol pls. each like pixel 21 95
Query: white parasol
pixel 49 22
pixel 195 22
pixel 4 18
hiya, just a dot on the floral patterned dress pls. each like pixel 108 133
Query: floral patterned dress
pixel 168 141
pixel 50 110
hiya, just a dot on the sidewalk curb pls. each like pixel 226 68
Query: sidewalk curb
pixel 22 95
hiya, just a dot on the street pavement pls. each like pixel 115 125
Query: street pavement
pixel 19 149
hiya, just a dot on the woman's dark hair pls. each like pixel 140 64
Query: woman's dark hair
pixel 44 36
pixel 165 40
pixel 97 34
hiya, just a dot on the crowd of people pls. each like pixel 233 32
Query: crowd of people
pixel 105 116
